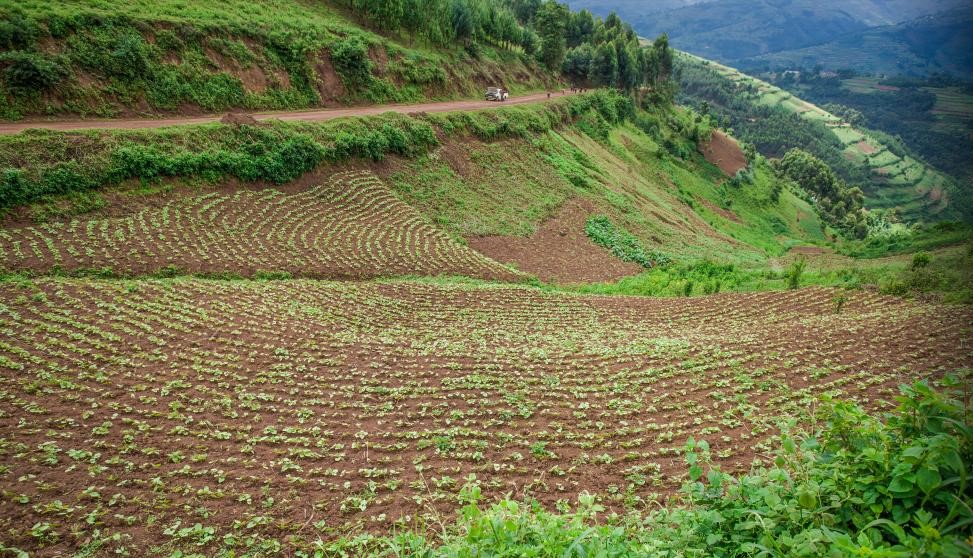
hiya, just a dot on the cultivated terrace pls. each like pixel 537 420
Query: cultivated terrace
pixel 594 324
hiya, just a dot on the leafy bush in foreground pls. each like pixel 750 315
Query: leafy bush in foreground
pixel 859 487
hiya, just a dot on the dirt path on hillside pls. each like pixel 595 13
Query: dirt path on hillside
pixel 313 115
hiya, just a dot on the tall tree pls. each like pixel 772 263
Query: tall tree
pixel 663 58
pixel 580 29
pixel 628 70
pixel 577 64
pixel 462 21
pixel 604 66
pixel 525 9
pixel 550 23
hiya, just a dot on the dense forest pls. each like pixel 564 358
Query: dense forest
pixel 588 50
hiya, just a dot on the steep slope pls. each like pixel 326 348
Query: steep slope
pixel 776 120
pixel 109 59
pixel 496 173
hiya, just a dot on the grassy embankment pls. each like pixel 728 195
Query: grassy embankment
pixel 120 58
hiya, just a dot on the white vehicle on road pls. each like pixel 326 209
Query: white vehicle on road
pixel 496 94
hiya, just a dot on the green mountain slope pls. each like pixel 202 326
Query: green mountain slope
pixel 731 30
pixel 937 43
pixel 497 172
pixel 776 120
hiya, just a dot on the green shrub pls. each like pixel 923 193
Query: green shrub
pixel 130 58
pixel 920 260
pixel 350 60
pixel 859 487
pixel 168 41
pixel 794 272
pixel 166 90
pixel 30 71
pixel 216 92
pixel 17 32
pixel 15 189
pixel 623 245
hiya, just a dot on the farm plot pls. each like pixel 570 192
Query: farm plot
pixel 883 158
pixel 350 226
pixel 848 135
pixel 193 414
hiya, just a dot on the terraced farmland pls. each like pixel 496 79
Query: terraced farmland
pixel 897 182
pixel 349 226
pixel 195 414
pixel 953 110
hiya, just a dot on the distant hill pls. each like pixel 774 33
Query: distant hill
pixel 630 9
pixel 936 43
pixel 735 30
pixel 775 121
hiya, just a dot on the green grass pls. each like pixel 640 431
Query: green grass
pixel 151 57
pixel 949 274
pixel 848 136
pixel 883 159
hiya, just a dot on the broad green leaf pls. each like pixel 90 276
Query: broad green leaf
pixel 695 472
pixel 928 479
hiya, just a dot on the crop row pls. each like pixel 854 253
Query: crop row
pixel 190 413
pixel 350 226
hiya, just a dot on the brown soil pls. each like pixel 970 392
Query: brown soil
pixel 238 119
pixel 809 250
pixel 346 226
pixel 559 251
pixel 329 84
pixel 724 152
pixel 289 400
pixel 866 148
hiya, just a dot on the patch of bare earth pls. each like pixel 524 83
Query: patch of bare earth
pixel 559 251
pixel 866 148
pixel 724 152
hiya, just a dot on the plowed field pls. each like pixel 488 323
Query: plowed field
pixel 350 226
pixel 201 414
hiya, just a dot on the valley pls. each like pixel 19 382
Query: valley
pixel 275 280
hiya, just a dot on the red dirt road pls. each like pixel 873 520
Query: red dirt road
pixel 294 115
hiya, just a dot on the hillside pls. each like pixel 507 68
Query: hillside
pixel 495 173
pixel 938 43
pixel 185 292
pixel 109 59
pixel 775 120
pixel 590 323
pixel 732 30
pixel 930 116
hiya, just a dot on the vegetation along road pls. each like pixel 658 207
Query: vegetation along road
pixel 290 115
